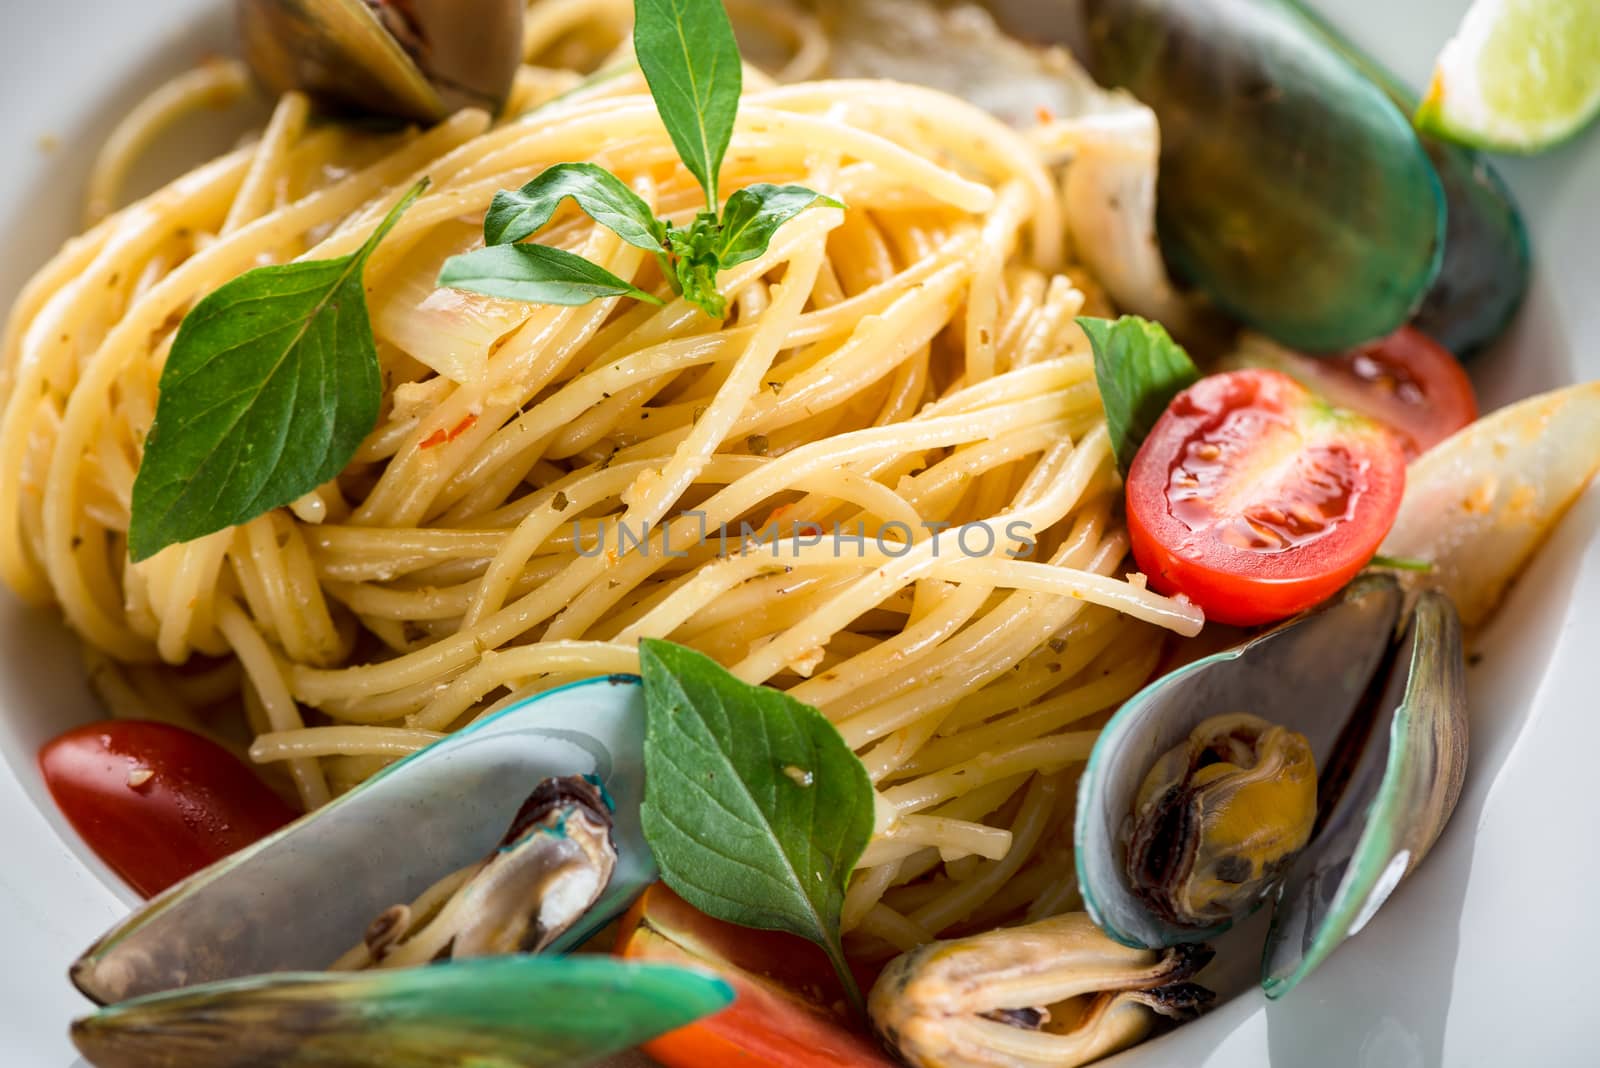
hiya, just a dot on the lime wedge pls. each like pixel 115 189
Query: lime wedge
pixel 1519 76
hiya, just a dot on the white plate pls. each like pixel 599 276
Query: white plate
pixel 1484 958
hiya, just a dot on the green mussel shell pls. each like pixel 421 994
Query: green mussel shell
pixel 1292 191
pixel 1487 259
pixel 527 1012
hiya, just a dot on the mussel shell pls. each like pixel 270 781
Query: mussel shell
pixel 455 53
pixel 536 1012
pixel 1403 783
pixel 1308 675
pixel 1487 260
pixel 293 900
pixel 1292 190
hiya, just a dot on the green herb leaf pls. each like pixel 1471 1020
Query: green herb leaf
pixel 1139 369
pixel 754 806
pixel 694 264
pixel 690 60
pixel 755 213
pixel 271 385
pixel 536 274
pixel 1400 563
pixel 516 214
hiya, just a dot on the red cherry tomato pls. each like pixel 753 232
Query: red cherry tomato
pixel 156 802
pixel 787 1006
pixel 1256 500
pixel 1406 381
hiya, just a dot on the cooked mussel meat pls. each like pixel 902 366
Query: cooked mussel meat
pixel 551 866
pixel 1052 994
pixel 413 59
pixel 1219 817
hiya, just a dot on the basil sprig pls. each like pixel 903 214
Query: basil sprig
pixel 270 387
pixel 755 808
pixel 690 60
pixel 1139 369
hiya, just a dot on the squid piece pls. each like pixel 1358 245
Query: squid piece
pixel 1479 504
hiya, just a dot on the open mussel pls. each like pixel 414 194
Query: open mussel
pixel 1195 808
pixel 417 60
pixel 312 888
pixel 517 835
pixel 1052 994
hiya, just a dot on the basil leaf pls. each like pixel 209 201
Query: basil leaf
pixel 271 385
pixel 1139 369
pixel 690 60
pixel 754 214
pixel 516 214
pixel 754 806
pixel 536 274
pixel 695 264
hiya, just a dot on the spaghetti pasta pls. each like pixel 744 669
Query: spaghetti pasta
pixel 899 398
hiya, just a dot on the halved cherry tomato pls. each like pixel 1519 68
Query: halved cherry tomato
pixel 1256 500
pixel 787 1012
pixel 1406 381
pixel 156 802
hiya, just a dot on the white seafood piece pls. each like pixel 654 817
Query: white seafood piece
pixel 1478 504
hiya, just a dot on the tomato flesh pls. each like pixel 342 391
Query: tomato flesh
pixel 786 1010
pixel 156 802
pixel 1406 381
pixel 1256 501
